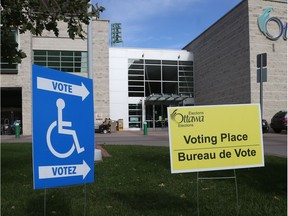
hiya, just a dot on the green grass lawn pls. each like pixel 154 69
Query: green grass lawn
pixel 136 180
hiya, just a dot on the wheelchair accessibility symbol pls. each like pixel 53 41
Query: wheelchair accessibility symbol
pixel 60 103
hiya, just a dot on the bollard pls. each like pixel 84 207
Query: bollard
pixel 145 131
pixel 17 130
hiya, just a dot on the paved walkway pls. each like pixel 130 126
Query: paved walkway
pixel 274 144
pixel 154 138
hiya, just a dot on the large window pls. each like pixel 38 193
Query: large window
pixel 136 78
pixel 135 116
pixel 10 68
pixel 186 77
pixel 67 61
pixel 146 77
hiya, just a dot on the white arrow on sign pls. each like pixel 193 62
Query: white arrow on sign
pixel 60 171
pixel 62 87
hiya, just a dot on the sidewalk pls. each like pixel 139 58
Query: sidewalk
pixel 13 139
pixel 274 144
pixel 153 138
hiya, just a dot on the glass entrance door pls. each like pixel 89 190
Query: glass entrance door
pixel 156 116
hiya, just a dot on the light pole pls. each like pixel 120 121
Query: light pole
pixel 90 44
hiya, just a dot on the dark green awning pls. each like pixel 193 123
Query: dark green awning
pixel 165 99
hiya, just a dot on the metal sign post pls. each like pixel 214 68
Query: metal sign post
pixel 261 75
pixel 218 178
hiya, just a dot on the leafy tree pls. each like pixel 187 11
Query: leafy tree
pixel 36 16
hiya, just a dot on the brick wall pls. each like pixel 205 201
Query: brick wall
pixel 221 59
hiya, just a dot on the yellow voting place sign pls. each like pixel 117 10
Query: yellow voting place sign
pixel 204 138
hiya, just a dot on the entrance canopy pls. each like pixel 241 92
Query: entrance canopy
pixel 166 99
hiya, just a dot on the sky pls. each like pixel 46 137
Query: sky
pixel 163 24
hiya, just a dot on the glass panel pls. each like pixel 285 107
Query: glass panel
pixel 185 62
pixel 136 77
pixel 134 125
pixel 135 83
pixel 66 64
pixel 186 84
pixel 186 73
pixel 84 65
pixel 77 59
pixel 166 62
pixel 40 63
pixel 188 79
pixel 170 88
pixel 185 90
pixel 152 72
pixel 39 58
pixel 185 68
pixel 67 53
pixel 70 59
pixel 134 119
pixel 77 70
pixel 8 66
pixel 152 87
pixel 135 115
pixel 133 66
pixel 53 53
pixel 136 94
pixel 133 88
pixel 170 73
pixel 135 61
pixel 53 64
pixel 135 112
pixel 77 54
pixel 77 64
pixel 135 72
pixel 84 54
pixel 67 69
pixel 39 52
pixel 135 106
pixel 56 58
pixel 148 61
pixel 160 112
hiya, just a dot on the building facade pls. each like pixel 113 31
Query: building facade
pixel 137 85
pixel 61 53
pixel 225 57
pixel 143 82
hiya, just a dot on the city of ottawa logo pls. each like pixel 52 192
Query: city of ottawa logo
pixel 186 119
pixel 264 19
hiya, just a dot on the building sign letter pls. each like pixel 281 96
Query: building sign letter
pixel 264 19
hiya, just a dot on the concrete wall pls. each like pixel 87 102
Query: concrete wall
pixel 49 42
pixel 22 80
pixel 221 60
pixel 275 89
pixel 225 59
pixel 100 29
pixel 101 68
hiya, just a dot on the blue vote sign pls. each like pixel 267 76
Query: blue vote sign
pixel 63 128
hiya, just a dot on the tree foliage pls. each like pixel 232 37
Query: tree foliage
pixel 35 16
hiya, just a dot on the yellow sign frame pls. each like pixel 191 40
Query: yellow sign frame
pixel 206 138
